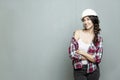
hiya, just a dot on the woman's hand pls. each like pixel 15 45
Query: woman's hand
pixel 86 55
pixel 81 52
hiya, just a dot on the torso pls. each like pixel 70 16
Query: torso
pixel 84 42
pixel 82 45
pixel 85 37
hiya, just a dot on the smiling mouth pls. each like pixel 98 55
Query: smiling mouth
pixel 86 25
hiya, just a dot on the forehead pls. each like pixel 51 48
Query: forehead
pixel 86 17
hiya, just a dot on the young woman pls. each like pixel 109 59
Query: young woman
pixel 86 49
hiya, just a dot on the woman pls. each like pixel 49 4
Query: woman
pixel 86 48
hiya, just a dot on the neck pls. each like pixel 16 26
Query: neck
pixel 90 31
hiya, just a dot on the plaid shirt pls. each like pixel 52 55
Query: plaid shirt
pixel 96 51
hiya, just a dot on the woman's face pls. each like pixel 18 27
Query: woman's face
pixel 87 23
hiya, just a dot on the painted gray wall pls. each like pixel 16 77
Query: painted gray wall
pixel 35 35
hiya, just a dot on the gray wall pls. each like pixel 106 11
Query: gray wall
pixel 35 34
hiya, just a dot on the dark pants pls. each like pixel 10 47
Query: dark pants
pixel 81 74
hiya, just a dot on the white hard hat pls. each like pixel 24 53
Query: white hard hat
pixel 88 12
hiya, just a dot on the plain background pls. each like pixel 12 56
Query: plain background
pixel 35 35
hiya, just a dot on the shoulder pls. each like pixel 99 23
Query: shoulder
pixel 77 33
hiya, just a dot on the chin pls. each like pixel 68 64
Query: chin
pixel 86 28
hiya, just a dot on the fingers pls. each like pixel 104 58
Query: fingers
pixel 79 51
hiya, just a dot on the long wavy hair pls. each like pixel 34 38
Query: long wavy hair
pixel 95 21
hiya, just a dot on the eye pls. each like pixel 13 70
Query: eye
pixel 87 18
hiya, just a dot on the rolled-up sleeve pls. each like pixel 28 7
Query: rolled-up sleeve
pixel 72 51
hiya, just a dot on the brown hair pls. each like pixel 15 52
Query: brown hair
pixel 95 21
